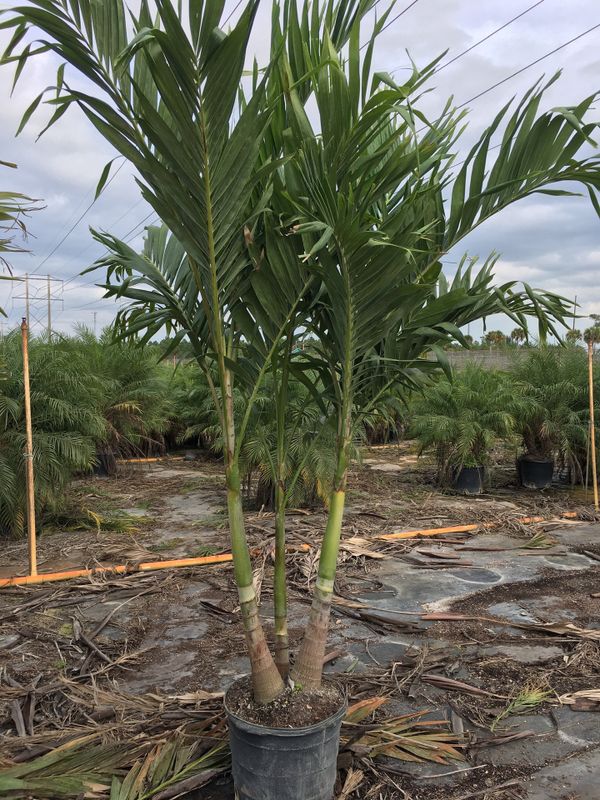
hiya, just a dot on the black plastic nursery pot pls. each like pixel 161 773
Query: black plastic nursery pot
pixel 469 480
pixel 535 473
pixel 284 763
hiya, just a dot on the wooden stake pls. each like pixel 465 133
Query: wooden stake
pixel 28 454
pixel 592 425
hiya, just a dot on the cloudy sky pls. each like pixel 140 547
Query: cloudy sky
pixel 553 243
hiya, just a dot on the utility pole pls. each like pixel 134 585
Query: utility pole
pixel 95 313
pixel 48 280
pixel 28 454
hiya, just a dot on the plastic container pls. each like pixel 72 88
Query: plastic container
pixel 536 473
pixel 284 763
pixel 469 480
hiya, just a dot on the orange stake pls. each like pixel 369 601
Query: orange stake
pixel 592 422
pixel 28 454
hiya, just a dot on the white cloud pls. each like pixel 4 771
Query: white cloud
pixel 553 242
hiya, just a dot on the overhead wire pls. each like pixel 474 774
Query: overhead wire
pixel 391 21
pixel 528 66
pixel 77 221
pixel 489 36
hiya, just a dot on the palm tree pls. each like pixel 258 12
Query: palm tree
pixel 573 336
pixel 495 338
pixel 518 335
pixel 553 419
pixel 365 190
pixel 362 197
pixel 461 420
pixel 591 335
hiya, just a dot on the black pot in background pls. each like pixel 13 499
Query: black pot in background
pixel 535 473
pixel 469 480
pixel 284 763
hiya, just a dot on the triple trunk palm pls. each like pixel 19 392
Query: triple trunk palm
pixel 332 223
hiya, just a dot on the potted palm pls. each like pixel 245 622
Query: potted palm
pixel 461 420
pixel 552 418
pixel 336 228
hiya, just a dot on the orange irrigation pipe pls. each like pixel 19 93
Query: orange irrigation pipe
pixel 428 532
pixel 463 528
pixel 152 460
pixel 145 566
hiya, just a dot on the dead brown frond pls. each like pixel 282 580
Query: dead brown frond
pixel 406 738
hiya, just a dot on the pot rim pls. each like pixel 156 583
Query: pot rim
pixel 533 459
pixel 255 727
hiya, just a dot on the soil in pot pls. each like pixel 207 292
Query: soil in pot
pixel 288 749
pixel 535 473
pixel 469 480
pixel 292 709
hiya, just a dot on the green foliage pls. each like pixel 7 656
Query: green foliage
pixel 462 419
pixel 134 401
pixel 308 460
pixel 553 418
pixel 592 334
pixel 14 208
pixel 90 399
pixel 334 221
pixel 525 701
pixel 65 401
pixel 495 338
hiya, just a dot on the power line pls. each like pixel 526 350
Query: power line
pixel 77 221
pixel 232 12
pixel 489 36
pixel 518 72
pixel 394 19
pixel 528 66
pixel 131 234
pixel 110 226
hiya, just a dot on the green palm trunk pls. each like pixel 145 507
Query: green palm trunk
pixel 308 667
pixel 266 680
pixel 282 652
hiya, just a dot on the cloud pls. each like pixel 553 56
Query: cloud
pixel 552 242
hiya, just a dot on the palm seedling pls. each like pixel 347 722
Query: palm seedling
pixel 462 419
pixel 354 214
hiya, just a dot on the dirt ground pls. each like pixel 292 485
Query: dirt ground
pixel 490 633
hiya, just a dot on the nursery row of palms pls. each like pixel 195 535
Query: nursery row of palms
pixel 91 400
pixel 316 196
pixel 97 400
pixel 541 406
